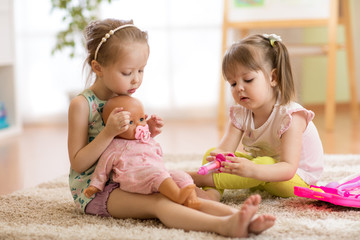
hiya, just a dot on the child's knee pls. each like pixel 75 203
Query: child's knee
pixel 214 193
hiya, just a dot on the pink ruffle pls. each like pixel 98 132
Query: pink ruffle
pixel 288 119
pixel 236 113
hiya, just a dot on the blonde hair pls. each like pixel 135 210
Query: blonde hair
pixel 257 53
pixel 110 50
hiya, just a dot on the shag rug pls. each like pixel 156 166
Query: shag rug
pixel 48 212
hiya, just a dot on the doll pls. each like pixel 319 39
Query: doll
pixel 135 160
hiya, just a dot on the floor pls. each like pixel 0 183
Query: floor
pixel 40 153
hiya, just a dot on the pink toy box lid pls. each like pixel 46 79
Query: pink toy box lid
pixel 344 193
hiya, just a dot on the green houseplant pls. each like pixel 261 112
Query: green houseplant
pixel 77 14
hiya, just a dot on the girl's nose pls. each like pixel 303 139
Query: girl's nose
pixel 136 78
pixel 240 87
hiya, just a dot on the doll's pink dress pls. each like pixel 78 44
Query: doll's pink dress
pixel 138 166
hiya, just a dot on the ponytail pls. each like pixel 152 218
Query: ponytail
pixel 284 74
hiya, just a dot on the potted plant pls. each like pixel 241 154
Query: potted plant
pixel 77 15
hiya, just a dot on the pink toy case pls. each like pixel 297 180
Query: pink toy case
pixel 343 193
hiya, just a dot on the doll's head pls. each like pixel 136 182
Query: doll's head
pixel 138 128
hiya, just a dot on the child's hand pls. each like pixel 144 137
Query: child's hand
pixel 155 124
pixel 238 166
pixel 213 154
pixel 118 121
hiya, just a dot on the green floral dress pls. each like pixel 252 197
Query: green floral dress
pixel 78 182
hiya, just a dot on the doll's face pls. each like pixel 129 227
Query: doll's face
pixel 132 105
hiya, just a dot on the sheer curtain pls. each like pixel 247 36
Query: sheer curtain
pixel 182 75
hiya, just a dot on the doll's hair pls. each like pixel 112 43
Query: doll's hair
pixel 109 51
pixel 257 52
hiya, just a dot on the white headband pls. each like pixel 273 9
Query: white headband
pixel 108 35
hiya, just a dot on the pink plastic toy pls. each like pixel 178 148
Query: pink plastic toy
pixel 214 165
pixel 344 194
pixel 142 133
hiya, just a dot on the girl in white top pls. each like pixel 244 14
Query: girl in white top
pixel 277 134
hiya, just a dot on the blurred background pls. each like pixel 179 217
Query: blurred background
pixel 182 76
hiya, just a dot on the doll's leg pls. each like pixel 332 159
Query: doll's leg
pixel 129 205
pixel 171 190
pixel 182 179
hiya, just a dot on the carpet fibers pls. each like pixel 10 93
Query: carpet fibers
pixel 48 212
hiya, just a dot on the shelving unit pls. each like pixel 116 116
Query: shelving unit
pixel 8 84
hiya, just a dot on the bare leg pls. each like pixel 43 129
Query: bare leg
pixel 202 180
pixel 205 181
pixel 216 208
pixel 210 193
pixel 130 205
pixel 202 194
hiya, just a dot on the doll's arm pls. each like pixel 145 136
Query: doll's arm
pixel 155 125
pixel 103 169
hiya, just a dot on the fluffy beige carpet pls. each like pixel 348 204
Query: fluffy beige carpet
pixel 47 212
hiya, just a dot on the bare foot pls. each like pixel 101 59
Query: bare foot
pixel 192 201
pixel 91 190
pixel 261 223
pixel 238 223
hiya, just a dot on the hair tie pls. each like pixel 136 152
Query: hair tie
pixel 108 35
pixel 272 38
